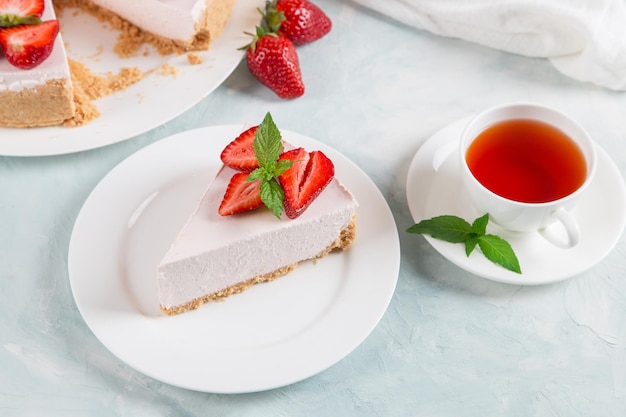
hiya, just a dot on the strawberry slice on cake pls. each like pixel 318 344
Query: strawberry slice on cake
pixel 27 46
pixel 305 180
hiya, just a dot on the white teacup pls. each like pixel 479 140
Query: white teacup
pixel 527 213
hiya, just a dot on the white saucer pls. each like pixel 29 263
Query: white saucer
pixel 433 188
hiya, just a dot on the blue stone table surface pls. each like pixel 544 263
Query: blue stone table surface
pixel 450 344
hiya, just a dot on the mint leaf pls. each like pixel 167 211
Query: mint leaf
pixel 470 244
pixel 454 229
pixel 268 145
pixel 272 196
pixel 449 228
pixel 499 251
pixel 260 174
pixel 480 225
pixel 267 142
pixel 281 166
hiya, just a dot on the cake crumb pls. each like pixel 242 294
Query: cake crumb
pixel 96 86
pixel 194 59
pixel 85 112
pixel 167 69
pixel 89 86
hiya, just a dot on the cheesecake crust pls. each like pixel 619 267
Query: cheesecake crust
pixel 47 104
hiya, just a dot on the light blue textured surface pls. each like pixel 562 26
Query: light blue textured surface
pixel 450 344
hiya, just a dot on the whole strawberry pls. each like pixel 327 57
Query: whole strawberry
pixel 273 60
pixel 304 21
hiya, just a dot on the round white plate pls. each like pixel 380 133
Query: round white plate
pixel 149 103
pixel 434 188
pixel 269 336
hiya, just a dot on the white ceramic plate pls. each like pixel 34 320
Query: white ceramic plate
pixel 434 188
pixel 269 336
pixel 145 105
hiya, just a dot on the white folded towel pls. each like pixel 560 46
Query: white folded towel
pixel 584 39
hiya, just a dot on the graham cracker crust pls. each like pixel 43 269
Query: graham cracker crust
pixel 43 105
pixel 345 240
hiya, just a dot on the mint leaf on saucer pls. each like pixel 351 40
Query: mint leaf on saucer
pixel 470 244
pixel 480 225
pixel 454 229
pixel 449 228
pixel 499 251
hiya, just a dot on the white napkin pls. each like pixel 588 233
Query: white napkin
pixel 584 39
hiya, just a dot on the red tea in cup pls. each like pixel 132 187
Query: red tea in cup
pixel 527 165
pixel 526 160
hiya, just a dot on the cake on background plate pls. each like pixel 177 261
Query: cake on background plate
pixel 51 92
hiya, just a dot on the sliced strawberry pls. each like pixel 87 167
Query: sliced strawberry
pixel 241 195
pixel 20 12
pixel 239 154
pixel 305 180
pixel 27 46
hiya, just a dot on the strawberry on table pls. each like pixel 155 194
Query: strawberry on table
pixel 310 173
pixel 20 12
pixel 239 154
pixel 303 21
pixel 26 46
pixel 241 195
pixel 273 60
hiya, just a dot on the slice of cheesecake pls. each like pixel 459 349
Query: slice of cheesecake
pixel 215 256
pixel 41 96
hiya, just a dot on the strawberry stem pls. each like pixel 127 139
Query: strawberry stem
pixel 9 20
pixel 271 20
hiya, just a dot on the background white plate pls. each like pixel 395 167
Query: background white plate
pixel 271 335
pixel 434 188
pixel 151 102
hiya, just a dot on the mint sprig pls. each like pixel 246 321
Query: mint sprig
pixel 267 149
pixel 454 229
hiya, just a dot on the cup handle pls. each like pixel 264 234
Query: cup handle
pixel 569 225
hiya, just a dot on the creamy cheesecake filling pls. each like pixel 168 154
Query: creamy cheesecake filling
pixel 345 239
pixel 174 19
pixel 213 253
